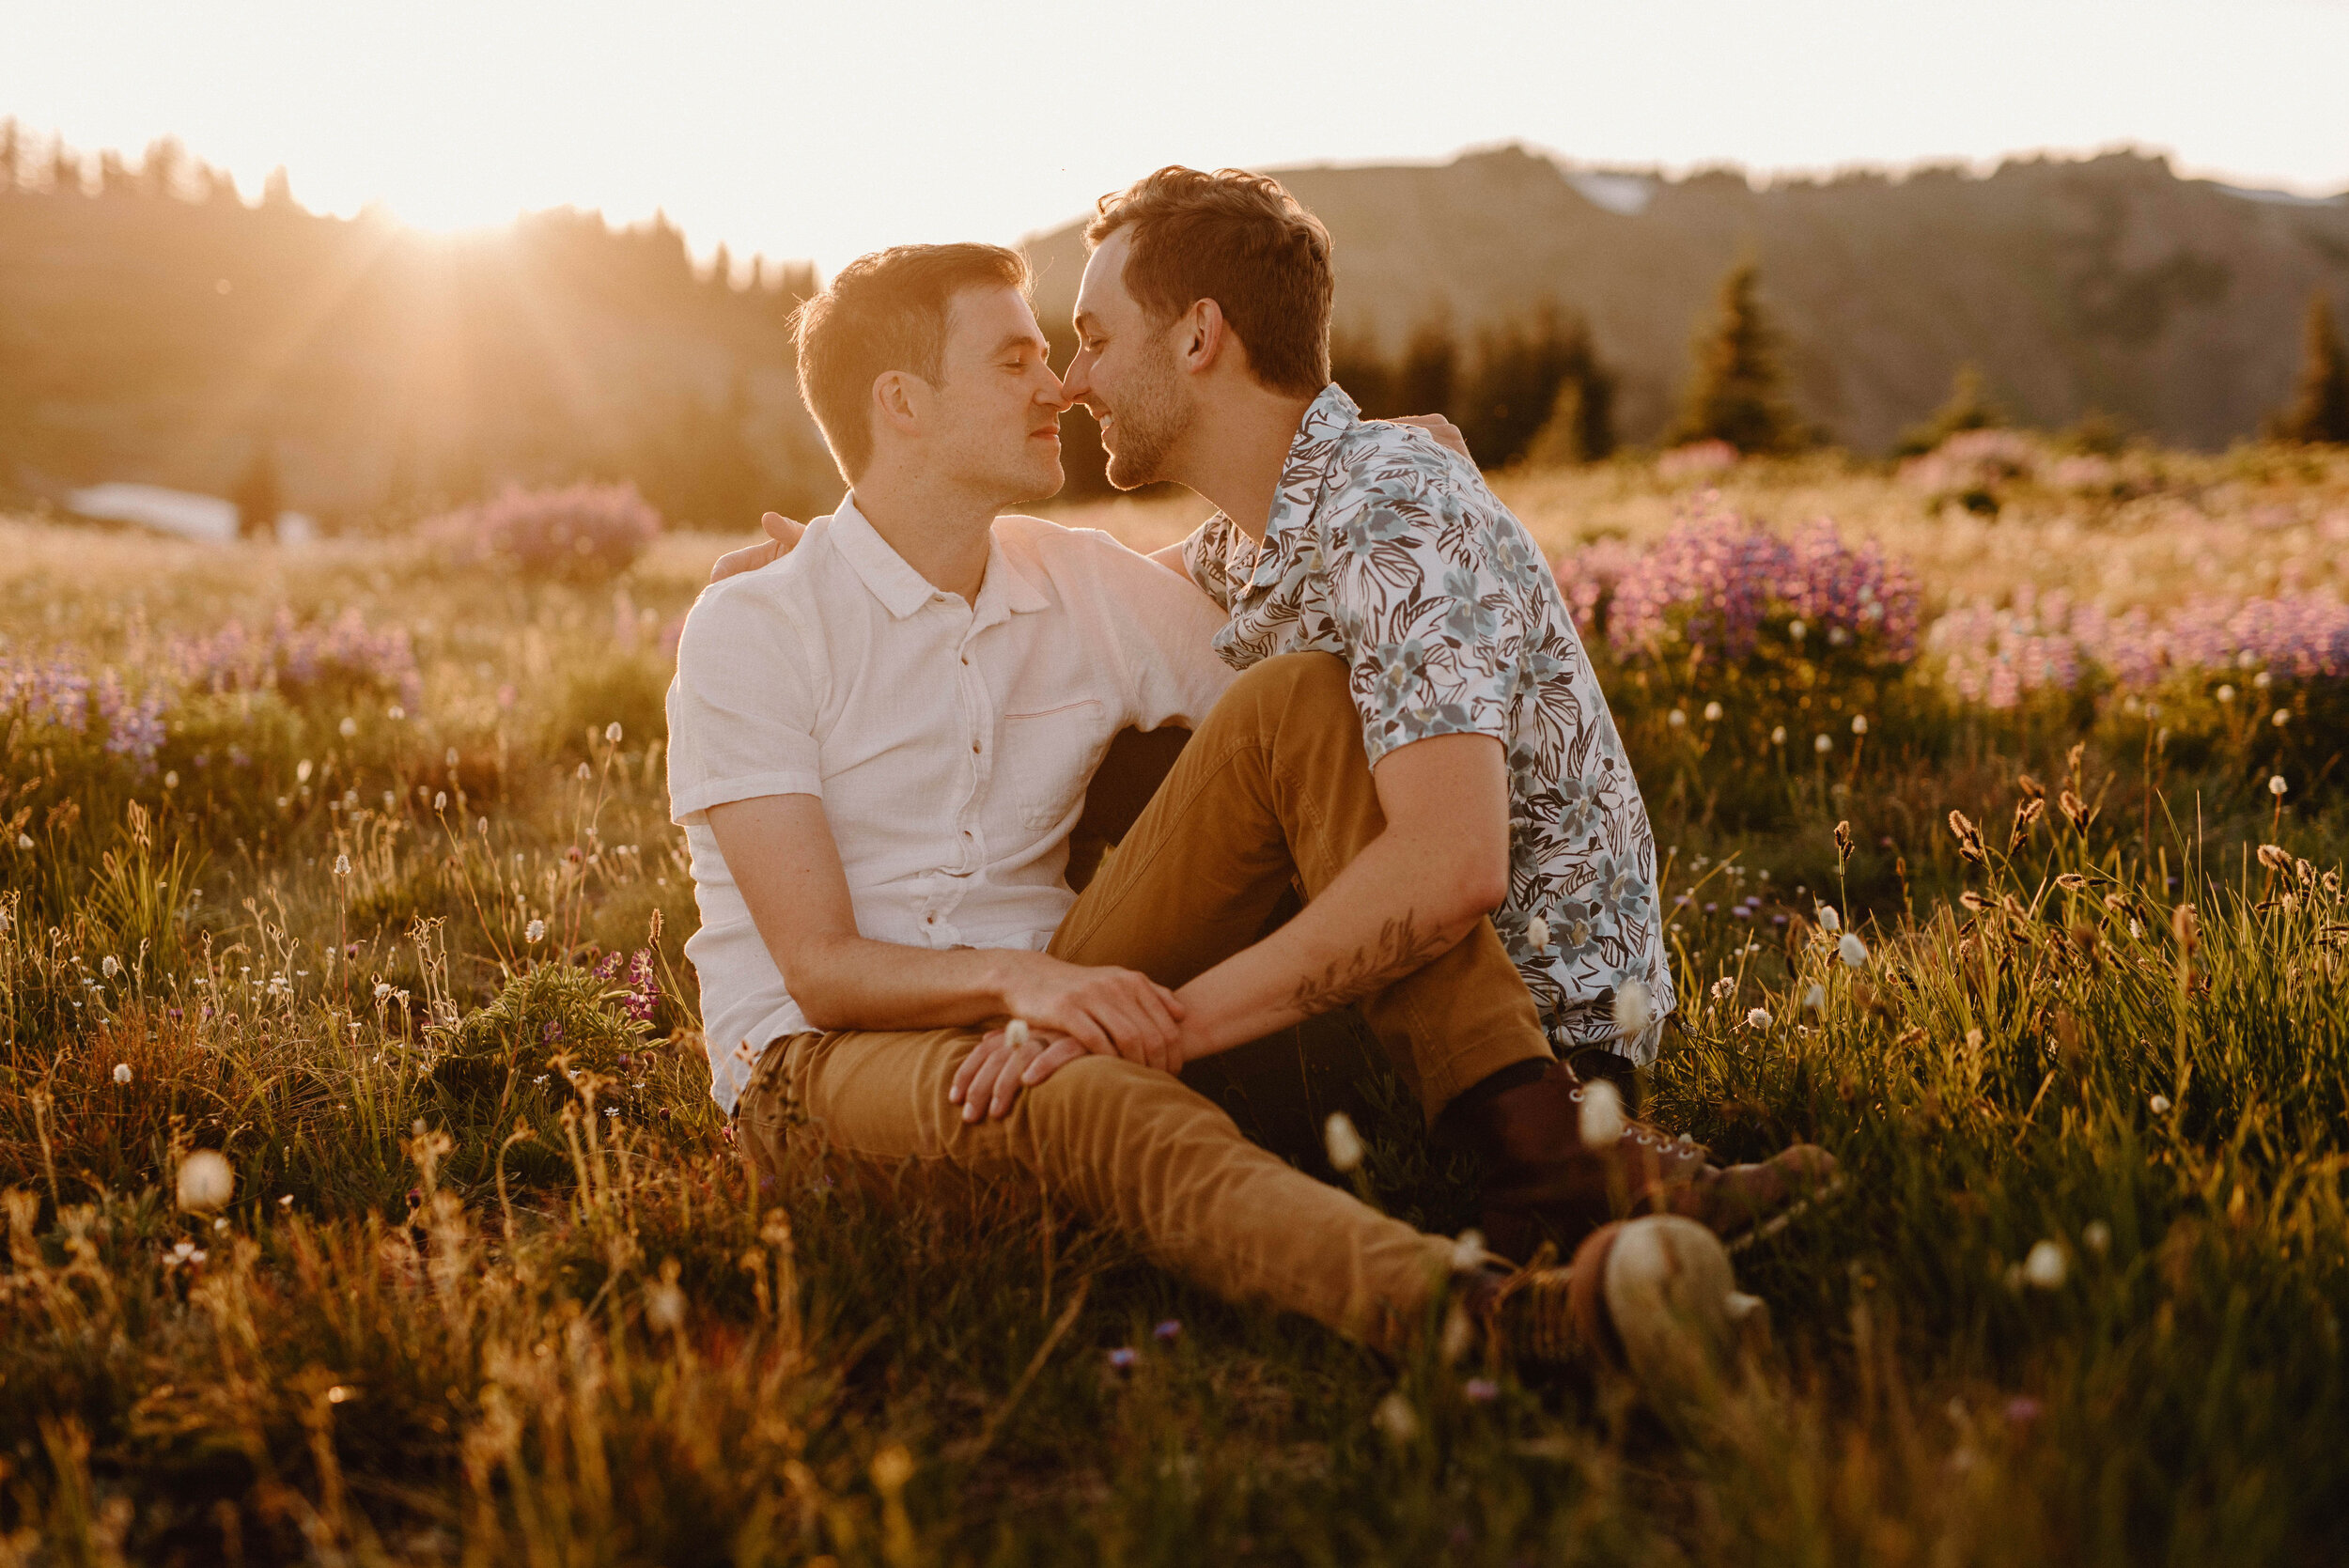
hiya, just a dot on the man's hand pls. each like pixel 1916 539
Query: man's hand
pixel 990 1078
pixel 1107 1011
pixel 782 535
pixel 1446 434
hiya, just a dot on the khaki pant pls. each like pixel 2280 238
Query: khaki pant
pixel 1273 791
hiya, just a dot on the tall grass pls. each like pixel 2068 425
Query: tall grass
pixel 492 1286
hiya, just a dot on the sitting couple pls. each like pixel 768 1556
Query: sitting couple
pixel 881 741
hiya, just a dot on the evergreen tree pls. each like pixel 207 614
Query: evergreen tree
pixel 1428 378
pixel 1968 408
pixel 65 169
pixel 277 190
pixel 2320 410
pixel 9 148
pixel 258 496
pixel 1581 424
pixel 1733 391
pixel 1356 364
pixel 1521 373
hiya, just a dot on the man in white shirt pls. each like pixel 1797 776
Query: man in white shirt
pixel 878 747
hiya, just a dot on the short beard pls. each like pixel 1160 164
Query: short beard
pixel 1151 420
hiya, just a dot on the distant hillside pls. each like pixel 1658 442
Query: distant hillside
pixel 2109 284
pixel 154 328
pixel 162 331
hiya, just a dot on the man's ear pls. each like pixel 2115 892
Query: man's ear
pixel 1203 338
pixel 897 401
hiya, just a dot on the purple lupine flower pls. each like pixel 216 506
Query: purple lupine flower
pixel 1718 578
pixel 579 531
pixel 643 989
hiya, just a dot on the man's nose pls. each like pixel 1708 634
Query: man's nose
pixel 1055 394
pixel 1076 380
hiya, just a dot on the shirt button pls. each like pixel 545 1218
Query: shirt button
pixel 974 747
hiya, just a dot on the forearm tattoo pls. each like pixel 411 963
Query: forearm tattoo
pixel 1400 948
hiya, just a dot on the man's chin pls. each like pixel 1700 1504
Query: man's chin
pixel 1123 476
pixel 1042 484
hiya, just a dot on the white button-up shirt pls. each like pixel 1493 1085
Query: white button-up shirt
pixel 951 743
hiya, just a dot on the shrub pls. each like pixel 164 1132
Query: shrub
pixel 581 533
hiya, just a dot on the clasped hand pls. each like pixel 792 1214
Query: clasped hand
pixel 1068 1011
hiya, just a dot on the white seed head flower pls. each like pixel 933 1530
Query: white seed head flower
pixel 342 866
pixel 1343 1142
pixel 1537 934
pixel 535 931
pixel 122 1072
pixel 1601 1121
pixel 1829 922
pixel 24 842
pixel 449 756
pixel 1675 718
pixel 665 1307
pixel 1796 631
pixel 1778 734
pixel 2096 1237
pixel 2275 784
pixel 440 800
pixel 1823 743
pixel 1758 1018
pixel 206 1182
pixel 2225 693
pixel 383 990
pixel 612 732
pixel 2283 717
pixel 1851 950
pixel 1468 1251
pixel 1712 713
pixel 2045 1267
pixel 1859 724
pixel 349 728
pixel 1634 1008
pixel 1815 999
pixel 1016 1033
pixel 2159 1105
pixel 1396 1419
pixel 171 778
pixel 110 966
pixel 395 713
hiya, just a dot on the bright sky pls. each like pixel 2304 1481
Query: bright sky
pixel 798 130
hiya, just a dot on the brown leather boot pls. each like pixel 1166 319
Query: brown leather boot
pixel 1654 1298
pixel 1547 1182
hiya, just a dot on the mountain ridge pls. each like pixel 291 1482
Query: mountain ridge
pixel 2108 283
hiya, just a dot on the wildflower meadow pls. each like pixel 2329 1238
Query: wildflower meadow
pixel 364 1203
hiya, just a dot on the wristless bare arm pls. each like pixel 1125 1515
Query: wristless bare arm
pixel 780 851
pixel 1442 865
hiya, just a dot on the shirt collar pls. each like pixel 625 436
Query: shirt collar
pixel 1327 418
pixel 902 590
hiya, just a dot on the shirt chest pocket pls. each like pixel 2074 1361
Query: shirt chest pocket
pixel 1048 757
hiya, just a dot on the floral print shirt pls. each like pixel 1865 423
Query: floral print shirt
pixel 1388 550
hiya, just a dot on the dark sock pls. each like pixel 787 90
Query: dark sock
pixel 1514 1076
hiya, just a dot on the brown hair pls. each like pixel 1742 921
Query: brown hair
pixel 1241 240
pixel 884 312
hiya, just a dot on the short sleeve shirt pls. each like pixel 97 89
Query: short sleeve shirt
pixel 951 743
pixel 1390 551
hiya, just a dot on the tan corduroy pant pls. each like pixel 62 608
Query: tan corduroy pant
pixel 1273 791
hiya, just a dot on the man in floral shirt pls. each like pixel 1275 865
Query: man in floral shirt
pixel 1387 550
pixel 1203 348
